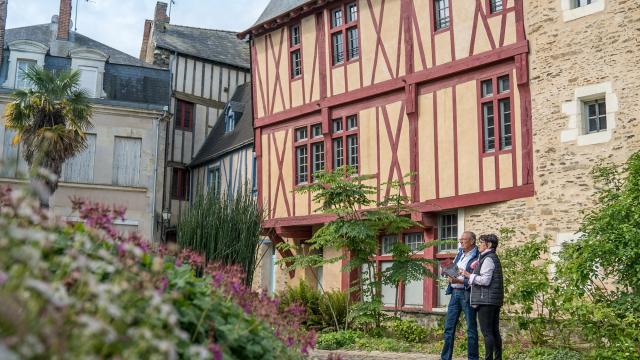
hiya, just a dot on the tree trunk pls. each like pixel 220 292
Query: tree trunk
pixel 44 182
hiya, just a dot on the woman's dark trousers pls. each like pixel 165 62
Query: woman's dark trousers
pixel 489 318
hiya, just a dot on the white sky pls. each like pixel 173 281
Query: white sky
pixel 119 23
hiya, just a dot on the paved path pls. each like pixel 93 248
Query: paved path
pixel 373 355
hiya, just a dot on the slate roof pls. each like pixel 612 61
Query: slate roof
pixel 46 34
pixel 278 7
pixel 216 45
pixel 218 143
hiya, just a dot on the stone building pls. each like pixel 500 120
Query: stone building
pixel 500 107
pixel 206 67
pixel 122 164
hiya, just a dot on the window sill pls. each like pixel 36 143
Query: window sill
pixel 339 65
pixel 569 14
pixel 440 31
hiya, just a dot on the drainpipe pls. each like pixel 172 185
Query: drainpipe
pixel 158 123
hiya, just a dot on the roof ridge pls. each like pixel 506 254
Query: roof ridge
pixel 203 28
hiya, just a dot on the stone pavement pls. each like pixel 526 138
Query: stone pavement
pixel 373 355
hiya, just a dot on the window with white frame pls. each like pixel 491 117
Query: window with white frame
pixel 309 152
pixel 495 6
pixel 22 66
pixel 495 96
pixel 344 24
pixel 79 169
pixel 576 9
pixel 126 161
pixel 591 115
pixel 229 120
pixel 89 80
pixel 345 141
pixel 448 231
pixel 13 163
pixel 214 179
pixel 595 115
pixel 295 51
pixel 579 3
pixel 413 240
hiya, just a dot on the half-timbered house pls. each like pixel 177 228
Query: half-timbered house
pixel 206 68
pixel 436 88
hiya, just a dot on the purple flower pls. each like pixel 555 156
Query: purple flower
pixel 3 277
pixel 216 351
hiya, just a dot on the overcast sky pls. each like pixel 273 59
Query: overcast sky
pixel 119 23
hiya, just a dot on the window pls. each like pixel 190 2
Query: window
pixel 305 146
pixel 448 230
pixel 184 115
pixel 89 80
pixel 345 143
pixel 79 169
pixel 579 3
pixel 496 96
pixel 229 120
pixel 126 161
pixel 180 184
pixel 387 244
pixel 13 163
pixel 441 14
pixel 495 6
pixel 295 51
pixel 344 28
pixel 413 240
pixel 214 179
pixel 22 66
pixel 595 116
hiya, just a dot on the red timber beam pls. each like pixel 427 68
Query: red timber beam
pixel 434 73
pixel 277 239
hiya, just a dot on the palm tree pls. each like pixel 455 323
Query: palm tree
pixel 50 120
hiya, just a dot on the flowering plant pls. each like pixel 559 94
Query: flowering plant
pixel 85 290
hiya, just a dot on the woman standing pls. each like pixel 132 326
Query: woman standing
pixel 487 294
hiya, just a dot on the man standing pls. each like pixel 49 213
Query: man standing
pixel 459 290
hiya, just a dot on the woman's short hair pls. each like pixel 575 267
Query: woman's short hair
pixel 490 238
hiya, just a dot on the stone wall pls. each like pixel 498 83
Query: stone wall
pixel 602 47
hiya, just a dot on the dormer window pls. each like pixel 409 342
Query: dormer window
pixel 90 63
pixel 229 120
pixel 22 66
pixel 89 79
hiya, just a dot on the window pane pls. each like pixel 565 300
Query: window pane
pixel 316 130
pixel 336 18
pixel 503 84
pixel 337 125
pixel 79 169
pixel 295 35
pixel 387 244
pixel 301 164
pixel 505 123
pixel 89 80
pixel 579 3
pixel 301 134
pixel 126 161
pixel 489 130
pixel 486 88
pixel 352 122
pixel 21 81
pixel 413 293
pixel 296 64
pixel 352 150
pixel 413 240
pixel 338 153
pixel 338 48
pixel 448 230
pixel 496 6
pixel 441 14
pixel 317 153
pixel 352 12
pixel 352 37
pixel 388 291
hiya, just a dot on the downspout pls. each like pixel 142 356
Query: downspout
pixel 166 148
pixel 158 122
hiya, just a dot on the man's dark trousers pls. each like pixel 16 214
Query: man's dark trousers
pixel 457 304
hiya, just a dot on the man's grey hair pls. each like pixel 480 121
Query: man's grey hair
pixel 472 235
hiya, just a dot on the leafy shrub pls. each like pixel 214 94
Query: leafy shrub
pixel 336 301
pixel 382 344
pixel 410 331
pixel 87 291
pixel 338 339
pixel 305 296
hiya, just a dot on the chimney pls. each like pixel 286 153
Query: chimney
pixel 3 25
pixel 145 39
pixel 160 15
pixel 64 20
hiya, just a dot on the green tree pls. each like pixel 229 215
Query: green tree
pixel 50 120
pixel 344 194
